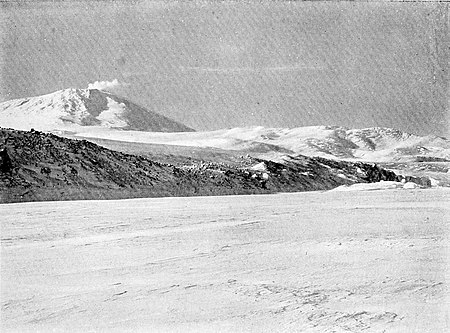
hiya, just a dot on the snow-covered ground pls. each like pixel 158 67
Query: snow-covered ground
pixel 331 261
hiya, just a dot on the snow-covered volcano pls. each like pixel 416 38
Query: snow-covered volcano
pixel 73 109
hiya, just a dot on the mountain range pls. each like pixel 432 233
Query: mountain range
pixel 369 144
pixel 93 114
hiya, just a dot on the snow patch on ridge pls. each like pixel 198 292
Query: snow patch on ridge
pixel 112 117
pixel 382 185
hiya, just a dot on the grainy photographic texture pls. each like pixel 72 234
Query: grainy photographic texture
pixel 224 166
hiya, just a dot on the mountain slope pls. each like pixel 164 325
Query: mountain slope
pixel 41 166
pixel 370 144
pixel 73 109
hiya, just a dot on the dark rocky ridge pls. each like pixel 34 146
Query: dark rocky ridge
pixel 36 166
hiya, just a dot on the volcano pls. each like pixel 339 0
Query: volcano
pixel 73 109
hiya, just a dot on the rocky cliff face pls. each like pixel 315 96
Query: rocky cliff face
pixel 41 166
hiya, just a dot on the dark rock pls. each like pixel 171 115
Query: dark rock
pixel 5 161
pixel 422 181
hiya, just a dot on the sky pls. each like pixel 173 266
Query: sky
pixel 224 64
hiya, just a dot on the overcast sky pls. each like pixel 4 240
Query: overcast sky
pixel 226 64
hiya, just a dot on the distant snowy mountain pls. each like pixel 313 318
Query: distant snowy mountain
pixel 370 144
pixel 73 109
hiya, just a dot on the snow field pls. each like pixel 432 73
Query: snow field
pixel 308 262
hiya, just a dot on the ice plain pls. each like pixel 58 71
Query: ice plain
pixel 336 261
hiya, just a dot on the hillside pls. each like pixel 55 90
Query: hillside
pixel 73 109
pixel 36 166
